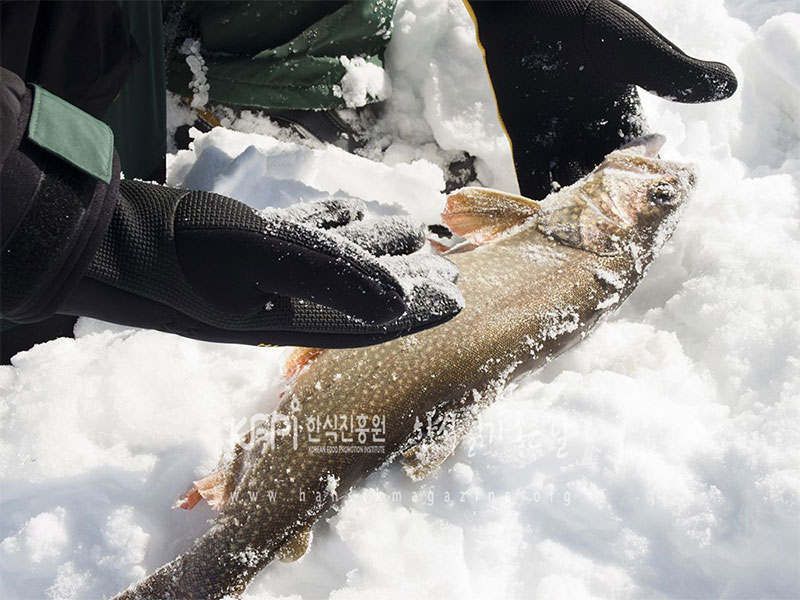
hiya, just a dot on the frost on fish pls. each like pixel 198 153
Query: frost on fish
pixel 610 277
pixel 612 300
pixel 331 485
pixel 437 438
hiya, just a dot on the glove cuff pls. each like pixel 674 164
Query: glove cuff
pixel 55 211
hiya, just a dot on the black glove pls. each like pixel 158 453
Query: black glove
pixel 208 267
pixel 563 73
pixel 77 240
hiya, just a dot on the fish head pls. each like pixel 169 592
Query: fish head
pixel 629 203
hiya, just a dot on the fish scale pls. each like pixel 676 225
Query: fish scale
pixel 531 292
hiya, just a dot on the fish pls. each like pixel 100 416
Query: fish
pixel 537 276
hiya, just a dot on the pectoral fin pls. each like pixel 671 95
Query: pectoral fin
pixel 481 214
pixel 299 360
pixel 217 487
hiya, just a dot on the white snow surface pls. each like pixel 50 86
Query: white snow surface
pixel 658 459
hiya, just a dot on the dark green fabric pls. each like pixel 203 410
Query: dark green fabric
pixel 138 115
pixel 71 134
pixel 282 54
pixel 249 28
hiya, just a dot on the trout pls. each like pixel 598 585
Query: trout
pixel 536 277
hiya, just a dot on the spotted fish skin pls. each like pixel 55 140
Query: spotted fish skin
pixel 533 286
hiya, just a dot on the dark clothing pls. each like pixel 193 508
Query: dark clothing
pixel 80 51
pixel 83 52
pixel 138 115
pixel 58 184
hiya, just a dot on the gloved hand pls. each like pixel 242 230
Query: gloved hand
pixel 209 267
pixel 564 71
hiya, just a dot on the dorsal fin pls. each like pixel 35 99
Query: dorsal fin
pixel 481 214
pixel 298 360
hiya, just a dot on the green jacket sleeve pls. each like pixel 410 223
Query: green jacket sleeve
pixel 282 54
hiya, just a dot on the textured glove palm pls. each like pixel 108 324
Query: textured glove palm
pixel 209 267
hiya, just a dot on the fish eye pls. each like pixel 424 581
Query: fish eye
pixel 660 194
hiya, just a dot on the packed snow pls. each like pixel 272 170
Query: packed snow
pixel 363 82
pixel 659 458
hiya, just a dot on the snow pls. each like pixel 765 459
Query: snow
pixel 199 84
pixel 363 82
pixel 266 171
pixel 658 458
